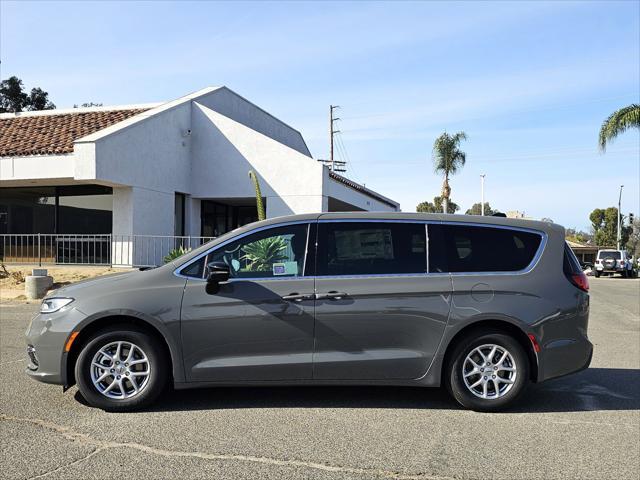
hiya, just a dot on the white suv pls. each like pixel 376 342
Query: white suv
pixel 609 262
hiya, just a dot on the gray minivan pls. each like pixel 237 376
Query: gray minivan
pixel 482 305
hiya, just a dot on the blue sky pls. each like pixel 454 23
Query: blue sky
pixel 529 82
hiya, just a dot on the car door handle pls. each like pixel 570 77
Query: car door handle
pixel 331 295
pixel 298 297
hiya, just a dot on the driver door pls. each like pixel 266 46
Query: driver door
pixel 259 325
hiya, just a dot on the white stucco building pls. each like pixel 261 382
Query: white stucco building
pixel 176 168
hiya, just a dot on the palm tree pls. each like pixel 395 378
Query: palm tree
pixel 618 122
pixel 447 160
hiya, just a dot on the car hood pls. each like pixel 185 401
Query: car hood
pixel 101 282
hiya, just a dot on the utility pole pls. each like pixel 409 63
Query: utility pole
pixel 333 164
pixel 619 216
pixel 331 133
pixel 482 194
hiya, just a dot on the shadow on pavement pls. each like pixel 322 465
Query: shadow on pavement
pixel 590 390
pixel 593 389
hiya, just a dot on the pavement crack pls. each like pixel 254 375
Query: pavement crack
pixel 100 445
pixel 67 465
pixel 12 361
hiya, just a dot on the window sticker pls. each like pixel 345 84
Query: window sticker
pixel 285 268
pixel 363 244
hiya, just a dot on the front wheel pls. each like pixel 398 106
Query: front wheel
pixel 597 274
pixel 487 371
pixel 121 369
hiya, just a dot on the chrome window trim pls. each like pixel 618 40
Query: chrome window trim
pixel 177 271
pixel 535 260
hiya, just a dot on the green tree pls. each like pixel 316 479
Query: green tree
pixel 605 227
pixel 633 244
pixel 476 209
pixel 447 160
pixel 436 206
pixel 618 122
pixel 13 98
pixel 578 236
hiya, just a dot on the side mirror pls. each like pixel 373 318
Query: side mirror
pixel 217 273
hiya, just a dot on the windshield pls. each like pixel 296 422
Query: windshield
pixel 610 254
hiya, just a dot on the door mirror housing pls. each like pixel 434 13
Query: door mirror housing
pixel 217 273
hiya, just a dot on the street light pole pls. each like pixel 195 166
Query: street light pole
pixel 619 216
pixel 482 194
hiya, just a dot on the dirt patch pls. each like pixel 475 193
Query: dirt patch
pixel 12 285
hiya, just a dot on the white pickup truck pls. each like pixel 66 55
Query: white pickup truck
pixel 609 262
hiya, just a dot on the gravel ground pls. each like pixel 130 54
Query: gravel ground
pixel 582 426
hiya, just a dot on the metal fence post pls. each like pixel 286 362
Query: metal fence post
pixel 39 253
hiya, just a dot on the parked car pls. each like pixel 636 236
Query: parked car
pixel 470 303
pixel 609 262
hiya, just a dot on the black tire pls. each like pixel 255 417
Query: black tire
pixel 159 368
pixel 597 274
pixel 454 379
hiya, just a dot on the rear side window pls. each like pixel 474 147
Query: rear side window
pixel 570 265
pixel 371 248
pixel 462 248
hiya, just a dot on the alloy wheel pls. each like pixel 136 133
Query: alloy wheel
pixel 120 370
pixel 489 371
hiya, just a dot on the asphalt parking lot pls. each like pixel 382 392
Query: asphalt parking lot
pixel 582 426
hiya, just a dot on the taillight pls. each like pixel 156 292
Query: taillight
pixel 581 281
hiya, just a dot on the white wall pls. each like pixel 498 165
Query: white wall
pixel 192 216
pixel 151 154
pixel 37 167
pixel 223 152
pixel 140 211
pixel 232 105
pixel 351 196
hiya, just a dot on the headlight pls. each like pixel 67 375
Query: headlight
pixel 50 305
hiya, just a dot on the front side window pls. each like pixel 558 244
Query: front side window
pixel 463 248
pixel 275 252
pixel 371 248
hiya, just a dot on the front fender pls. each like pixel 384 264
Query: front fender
pixel 169 331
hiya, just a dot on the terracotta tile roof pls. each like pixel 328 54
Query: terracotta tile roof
pixel 54 134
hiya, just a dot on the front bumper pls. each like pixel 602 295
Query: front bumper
pixel 45 338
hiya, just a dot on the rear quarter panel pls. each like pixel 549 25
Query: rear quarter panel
pixel 540 301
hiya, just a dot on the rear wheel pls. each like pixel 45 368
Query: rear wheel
pixel 597 274
pixel 121 369
pixel 487 371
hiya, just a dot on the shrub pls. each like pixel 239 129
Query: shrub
pixel 176 253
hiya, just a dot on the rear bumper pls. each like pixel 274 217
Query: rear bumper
pixel 564 345
pixel 564 357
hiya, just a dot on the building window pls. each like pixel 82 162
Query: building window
pixel 81 209
pixel 219 218
pixel 179 215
